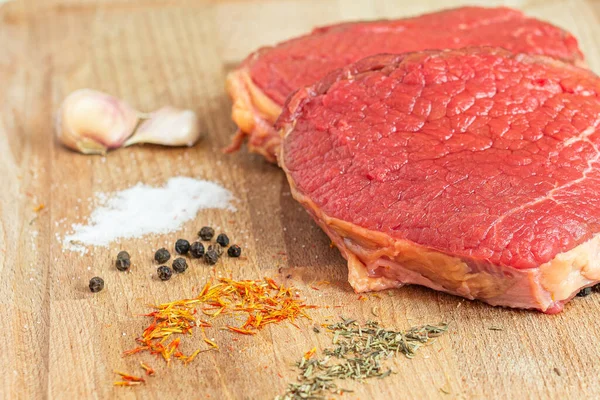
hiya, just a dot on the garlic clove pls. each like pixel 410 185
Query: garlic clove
pixel 93 122
pixel 168 126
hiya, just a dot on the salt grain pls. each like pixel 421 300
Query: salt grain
pixel 143 209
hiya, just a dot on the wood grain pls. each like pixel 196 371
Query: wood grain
pixel 61 341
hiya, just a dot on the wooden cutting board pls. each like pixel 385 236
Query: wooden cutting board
pixel 60 341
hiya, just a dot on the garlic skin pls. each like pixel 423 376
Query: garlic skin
pixel 93 122
pixel 168 126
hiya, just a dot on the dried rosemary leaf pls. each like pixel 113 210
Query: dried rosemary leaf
pixel 357 354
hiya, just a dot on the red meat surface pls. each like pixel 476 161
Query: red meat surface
pixel 261 84
pixel 484 161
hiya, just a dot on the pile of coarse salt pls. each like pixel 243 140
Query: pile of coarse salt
pixel 143 209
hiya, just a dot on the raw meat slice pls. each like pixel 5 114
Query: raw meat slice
pixel 261 84
pixel 472 171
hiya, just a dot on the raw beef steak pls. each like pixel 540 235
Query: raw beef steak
pixel 264 80
pixel 472 171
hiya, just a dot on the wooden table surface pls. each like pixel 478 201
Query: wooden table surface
pixel 60 341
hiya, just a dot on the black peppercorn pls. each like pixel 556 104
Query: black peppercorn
pixel 234 251
pixel 223 240
pixel 197 250
pixel 162 256
pixel 123 255
pixel 585 292
pixel 182 246
pixel 123 261
pixel 218 249
pixel 206 233
pixel 164 273
pixel 96 284
pixel 211 256
pixel 179 265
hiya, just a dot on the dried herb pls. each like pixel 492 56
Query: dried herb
pixel 206 233
pixel 223 240
pixel 445 389
pixel 164 273
pixel 197 250
pixel 234 251
pixel 179 265
pixel 127 383
pixel 149 370
pixel 263 302
pixel 96 284
pixel 123 261
pixel 128 380
pixel 357 354
pixel 128 377
pixel 162 255
pixel 182 246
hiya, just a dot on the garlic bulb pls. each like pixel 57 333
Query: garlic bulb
pixel 93 122
pixel 168 126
